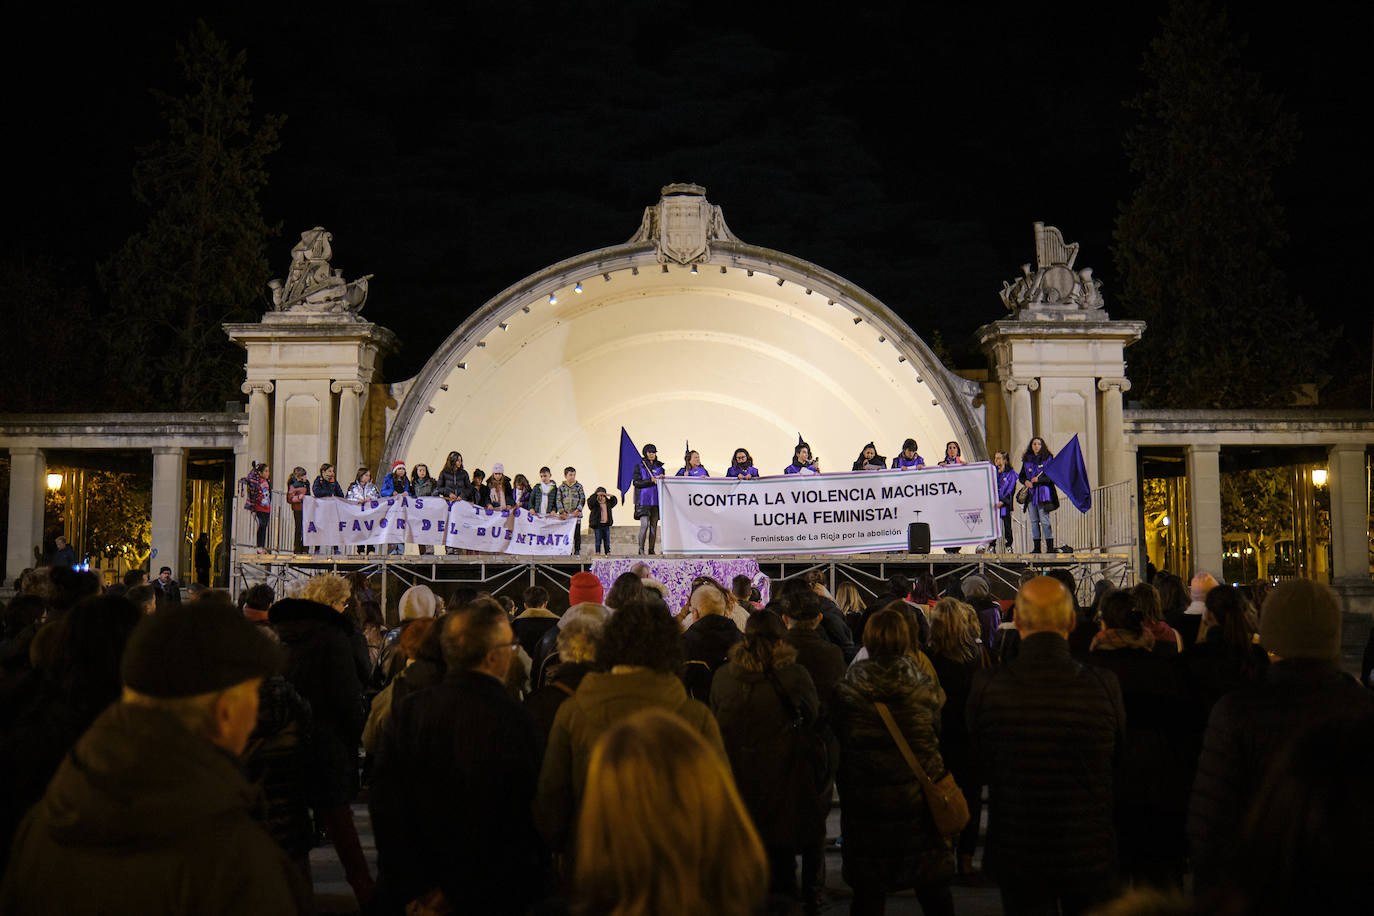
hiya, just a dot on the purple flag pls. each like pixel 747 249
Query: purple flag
pixel 1070 475
pixel 629 460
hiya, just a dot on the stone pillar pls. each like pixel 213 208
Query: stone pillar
pixel 1349 513
pixel 169 486
pixel 258 441
pixel 1118 461
pixel 28 483
pixel 1204 508
pixel 349 429
pixel 1020 415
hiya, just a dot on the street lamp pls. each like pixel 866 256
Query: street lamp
pixel 1319 477
pixel 54 481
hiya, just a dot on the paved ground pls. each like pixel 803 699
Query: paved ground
pixel 333 895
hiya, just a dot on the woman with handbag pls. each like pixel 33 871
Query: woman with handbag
pixel 892 778
pixel 1041 496
pixel 766 706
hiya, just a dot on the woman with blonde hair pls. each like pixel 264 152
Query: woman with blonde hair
pixel 662 828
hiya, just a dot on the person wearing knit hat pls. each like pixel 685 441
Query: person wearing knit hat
pixel 1251 726
pixel 417 602
pixel 585 594
pixel 585 586
pixel 145 805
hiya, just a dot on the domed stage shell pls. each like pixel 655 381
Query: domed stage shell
pixel 683 333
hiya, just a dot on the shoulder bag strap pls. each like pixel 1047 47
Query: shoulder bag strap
pixel 793 713
pixel 902 746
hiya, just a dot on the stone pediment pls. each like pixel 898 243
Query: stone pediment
pixel 682 225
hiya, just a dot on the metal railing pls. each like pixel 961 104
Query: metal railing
pixel 1108 526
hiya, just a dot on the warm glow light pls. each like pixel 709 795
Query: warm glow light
pixel 1164 520
pixel 1319 477
pixel 54 481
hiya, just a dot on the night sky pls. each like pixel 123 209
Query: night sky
pixel 452 152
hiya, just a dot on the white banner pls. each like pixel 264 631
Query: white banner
pixel 853 512
pixel 334 522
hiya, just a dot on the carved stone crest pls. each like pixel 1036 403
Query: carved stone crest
pixel 312 284
pixel 683 225
pixel 1054 283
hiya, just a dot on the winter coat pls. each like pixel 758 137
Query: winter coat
pixel 836 630
pixel 322 488
pixel 890 838
pixel 359 492
pixel 542 503
pixel 823 660
pixel 296 490
pixel 571 497
pixel 1160 749
pixel 595 520
pixel 1043 492
pixel 1047 731
pixel 756 729
pixel 456 484
pixel 705 645
pixel 277 760
pixel 601 700
pixel 956 679
pixel 322 665
pixel 423 486
pixel 145 817
pixel 531 625
pixel 451 796
pixel 1215 667
pixel 1247 730
pixel 392 487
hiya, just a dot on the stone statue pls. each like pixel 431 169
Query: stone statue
pixel 312 284
pixel 1054 282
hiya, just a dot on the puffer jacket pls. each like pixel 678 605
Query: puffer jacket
pixel 278 760
pixel 456 484
pixel 1047 731
pixel 756 728
pixel 890 838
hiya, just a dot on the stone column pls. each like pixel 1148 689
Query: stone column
pixel 1019 414
pixel 28 483
pixel 1204 509
pixel 169 486
pixel 1118 463
pixel 346 463
pixel 1349 512
pixel 257 420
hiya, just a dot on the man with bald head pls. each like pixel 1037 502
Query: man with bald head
pixel 1047 730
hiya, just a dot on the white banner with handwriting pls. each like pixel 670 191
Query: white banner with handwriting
pixel 854 512
pixel 334 522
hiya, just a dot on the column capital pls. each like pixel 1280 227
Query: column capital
pixel 265 387
pixel 341 386
pixel 1202 448
pixel 168 450
pixel 1011 384
pixel 1346 448
pixel 1107 384
pixel 27 451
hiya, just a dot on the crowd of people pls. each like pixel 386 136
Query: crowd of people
pixel 1030 488
pixel 1168 748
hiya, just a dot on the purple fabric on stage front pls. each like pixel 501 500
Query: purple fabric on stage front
pixel 678 574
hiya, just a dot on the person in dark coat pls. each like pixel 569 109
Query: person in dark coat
pixel 833 626
pixel 1161 744
pixel 957 656
pixel 707 642
pixel 979 597
pixel 149 812
pixel 1086 625
pixel 455 779
pixel 1250 727
pixel 890 839
pixel 535 620
pixel 277 760
pixel 48 708
pixel 758 698
pixel 1227 657
pixel 899 589
pixel 321 665
pixel 1047 731
pixel 577 649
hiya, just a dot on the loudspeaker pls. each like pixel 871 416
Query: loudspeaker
pixel 918 537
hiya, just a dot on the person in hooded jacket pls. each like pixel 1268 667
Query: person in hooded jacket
pixel 640 655
pixel 890 838
pixel 322 665
pixel 758 698
pixel 149 813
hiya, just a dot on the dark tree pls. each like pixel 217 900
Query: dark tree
pixel 201 258
pixel 1196 242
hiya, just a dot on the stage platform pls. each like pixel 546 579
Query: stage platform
pixel 500 574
